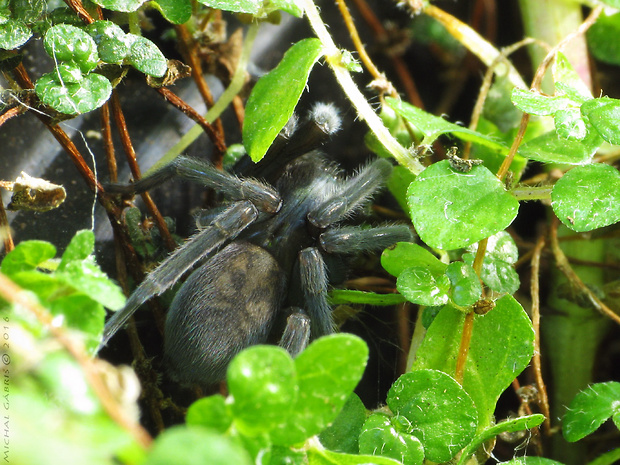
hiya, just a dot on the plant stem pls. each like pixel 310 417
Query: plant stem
pixel 365 112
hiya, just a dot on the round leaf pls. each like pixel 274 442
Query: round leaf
pixel 263 388
pixel 275 95
pixel 210 412
pixel 407 254
pixel 420 286
pixel 73 98
pixel 604 114
pixel 588 197
pixel 146 57
pixel 328 371
pixel 27 256
pixel 64 42
pixel 120 5
pixel 466 288
pixel 601 38
pixel 342 435
pixel 381 435
pixel 175 11
pixel 13 33
pixel 451 210
pixel 443 416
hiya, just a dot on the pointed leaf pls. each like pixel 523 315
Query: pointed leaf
pixel 590 409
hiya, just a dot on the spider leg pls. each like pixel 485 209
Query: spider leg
pixel 225 226
pixel 356 191
pixel 313 274
pixel 297 332
pixel 263 196
pixel 352 239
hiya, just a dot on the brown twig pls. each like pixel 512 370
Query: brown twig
pixel 543 399
pixel 78 7
pixel 573 279
pixel 130 153
pixel 180 104
pixel 108 144
pixel 5 230
pixel 15 295
pixel 11 113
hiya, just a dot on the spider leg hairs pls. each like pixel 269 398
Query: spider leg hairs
pixel 262 252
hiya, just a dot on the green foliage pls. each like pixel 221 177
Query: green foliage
pixel 275 96
pixel 590 409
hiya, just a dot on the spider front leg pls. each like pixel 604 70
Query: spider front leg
pixel 313 273
pixel 225 226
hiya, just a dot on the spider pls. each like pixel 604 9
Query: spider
pixel 267 247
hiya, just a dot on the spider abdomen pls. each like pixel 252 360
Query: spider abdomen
pixel 226 305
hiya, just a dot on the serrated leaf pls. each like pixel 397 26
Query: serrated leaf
pixel 86 277
pixel 451 209
pixel 263 388
pixel 146 57
pixel 349 296
pixel 497 270
pixel 569 124
pixel 175 11
pixel 590 409
pixel 604 114
pixel 422 287
pixel 535 103
pixel 27 256
pixel 65 42
pixel 210 412
pixel 80 248
pixel 327 371
pixel 120 5
pixel 275 95
pixel 251 7
pixel 343 434
pixel 549 148
pixel 588 197
pixel 438 408
pixel 74 98
pixel 568 81
pixel 432 127
pixel 28 10
pixel 384 436
pixel 13 33
pixel 502 344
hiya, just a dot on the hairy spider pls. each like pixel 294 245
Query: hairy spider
pixel 266 249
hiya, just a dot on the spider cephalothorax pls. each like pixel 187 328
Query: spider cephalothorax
pixel 265 252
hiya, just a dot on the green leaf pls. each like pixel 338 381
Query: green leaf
pixel 570 125
pixel 27 256
pixel 450 209
pixel 422 287
pixel 531 461
pixel 28 10
pixel 275 95
pixel 327 371
pixel 326 457
pixel 568 81
pixel 210 412
pixel 13 33
pixel 438 408
pixel 604 114
pixel 497 267
pixel 549 148
pixel 466 289
pixel 64 42
pixel 343 434
pixel 120 5
pixel 398 184
pixel 80 248
pixel 386 437
pixel 292 7
pixel 251 7
pixel 588 197
pixel 263 388
pixel 432 127
pixel 146 57
pixel 79 311
pixel 73 98
pixel 191 446
pixel 175 11
pixel 590 409
pixel 601 38
pixel 502 345
pixel 535 103
pixel 404 255
pixel 86 277
pixel 509 426
pixel 349 296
